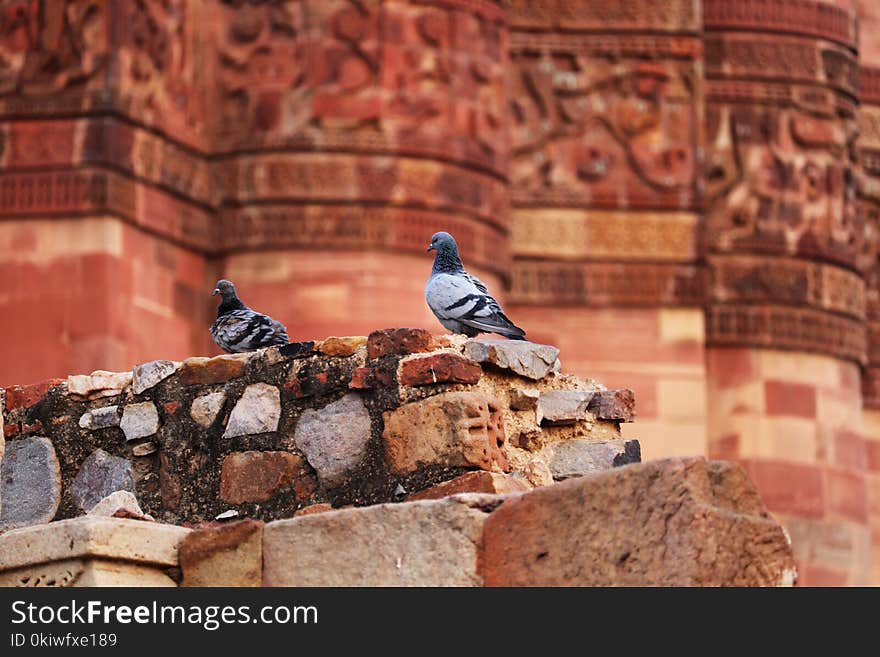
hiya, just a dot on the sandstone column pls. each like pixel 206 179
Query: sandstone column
pixel 786 314
pixel 346 134
pixel 869 215
pixel 606 112
pixel 103 194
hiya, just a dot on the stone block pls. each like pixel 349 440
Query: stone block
pixel 227 555
pixel 574 458
pixel 30 483
pixel 452 429
pixel 671 522
pixel 334 438
pixel 427 543
pixel 533 361
pixel 258 411
pixel 100 475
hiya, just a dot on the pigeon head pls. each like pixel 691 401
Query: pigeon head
pixel 442 242
pixel 225 289
pixel 446 259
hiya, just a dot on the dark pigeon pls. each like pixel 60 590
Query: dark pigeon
pixel 460 301
pixel 238 328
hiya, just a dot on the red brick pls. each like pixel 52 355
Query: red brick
pixel 849 450
pixel 439 368
pixel 399 342
pixel 784 398
pixel 27 396
pixel 362 378
pixel 815 575
pixel 789 487
pixel 847 495
pixel 730 368
pixel 321 507
pixel 618 405
pixel 257 476
pixel 171 407
pixel 10 430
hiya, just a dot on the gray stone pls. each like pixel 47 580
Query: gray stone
pixel 533 361
pixel 99 476
pixel 563 406
pixel 334 438
pixel 139 420
pixel 522 399
pixel 30 479
pixel 100 418
pixel 2 438
pixel 574 458
pixel 121 504
pixel 258 411
pixel 204 409
pixel 149 374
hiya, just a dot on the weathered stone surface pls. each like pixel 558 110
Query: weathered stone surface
pixel 100 418
pixel 399 342
pixel 616 405
pixel 345 346
pixel 257 476
pixel 438 368
pixel 563 406
pixel 98 384
pixel 228 555
pixel 451 429
pixel 573 458
pixel 204 409
pixel 219 369
pixel 85 573
pixel 533 361
pixel 523 399
pixel 473 482
pixel 121 504
pixel 99 476
pixel 427 543
pixel 258 411
pixel 92 536
pixel 334 438
pixel 671 522
pixel 30 479
pixel 147 375
pixel 139 420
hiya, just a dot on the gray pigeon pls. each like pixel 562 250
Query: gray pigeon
pixel 238 328
pixel 460 301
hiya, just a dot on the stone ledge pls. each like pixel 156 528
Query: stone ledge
pixel 92 537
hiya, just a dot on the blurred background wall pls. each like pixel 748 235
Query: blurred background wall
pixel 683 196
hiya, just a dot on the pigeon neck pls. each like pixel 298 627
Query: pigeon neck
pixel 229 305
pixel 447 262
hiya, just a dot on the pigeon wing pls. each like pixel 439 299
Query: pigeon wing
pixel 246 330
pixel 466 299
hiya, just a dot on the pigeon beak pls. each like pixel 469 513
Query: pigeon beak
pixel 215 292
pixel 430 248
